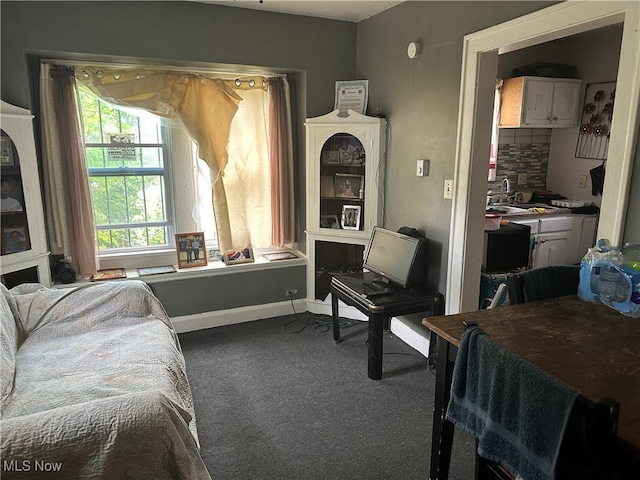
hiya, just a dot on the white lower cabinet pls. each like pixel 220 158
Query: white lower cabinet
pixel 552 249
pixel 560 239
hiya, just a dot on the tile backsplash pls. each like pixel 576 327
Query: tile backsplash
pixel 522 150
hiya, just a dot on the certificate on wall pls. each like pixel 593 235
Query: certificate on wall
pixel 352 95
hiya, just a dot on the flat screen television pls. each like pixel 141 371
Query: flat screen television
pixel 396 257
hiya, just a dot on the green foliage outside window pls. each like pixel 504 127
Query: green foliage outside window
pixel 127 181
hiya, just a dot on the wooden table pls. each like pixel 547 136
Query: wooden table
pixel 590 347
pixel 379 310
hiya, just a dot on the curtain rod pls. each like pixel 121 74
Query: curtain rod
pixel 231 74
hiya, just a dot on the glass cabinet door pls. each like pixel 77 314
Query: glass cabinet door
pixel 342 183
pixel 14 236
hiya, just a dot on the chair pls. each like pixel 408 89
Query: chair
pixel 586 448
pixel 542 283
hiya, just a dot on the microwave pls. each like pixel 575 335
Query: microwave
pixel 507 248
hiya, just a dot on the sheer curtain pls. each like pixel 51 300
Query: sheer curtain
pixel 70 220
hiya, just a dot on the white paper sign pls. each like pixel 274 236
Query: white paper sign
pixel 352 95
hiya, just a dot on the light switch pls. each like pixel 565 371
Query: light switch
pixel 422 168
pixel 522 179
pixel 583 181
pixel 448 189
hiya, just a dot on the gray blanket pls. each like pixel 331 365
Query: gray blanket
pixel 96 386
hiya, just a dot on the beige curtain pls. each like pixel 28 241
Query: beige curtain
pixel 246 182
pixel 281 162
pixel 176 95
pixel 70 219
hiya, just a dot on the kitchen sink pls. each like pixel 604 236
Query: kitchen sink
pixel 505 209
pixel 518 208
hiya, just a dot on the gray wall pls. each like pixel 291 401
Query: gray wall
pixel 316 52
pixel 420 98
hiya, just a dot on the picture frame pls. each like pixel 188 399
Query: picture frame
pixel 191 250
pixel 330 157
pixel 7 159
pixel 349 148
pixel 346 185
pixel 109 274
pixel 329 221
pixel 351 217
pixel 215 255
pixel 326 186
pixel 238 256
pixel 595 121
pixel 12 189
pixel 15 239
pixel 143 272
pixel 277 256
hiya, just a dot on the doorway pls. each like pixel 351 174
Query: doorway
pixel 480 63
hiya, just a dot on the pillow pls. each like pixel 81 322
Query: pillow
pixel 10 339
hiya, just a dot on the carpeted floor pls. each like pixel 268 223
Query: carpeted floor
pixel 277 399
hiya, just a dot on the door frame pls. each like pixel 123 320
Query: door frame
pixel 479 67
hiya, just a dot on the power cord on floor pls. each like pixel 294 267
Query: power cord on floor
pixel 320 323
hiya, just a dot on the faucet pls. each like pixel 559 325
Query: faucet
pixel 507 184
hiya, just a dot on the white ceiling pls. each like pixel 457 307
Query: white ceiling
pixel 350 10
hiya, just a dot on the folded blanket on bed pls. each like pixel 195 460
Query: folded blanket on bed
pixel 517 411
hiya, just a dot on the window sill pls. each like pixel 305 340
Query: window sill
pixel 213 268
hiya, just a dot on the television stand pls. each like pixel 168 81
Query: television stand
pixel 379 308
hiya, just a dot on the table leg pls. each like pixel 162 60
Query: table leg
pixel 442 434
pixel 335 317
pixel 376 323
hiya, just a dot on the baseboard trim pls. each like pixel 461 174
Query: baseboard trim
pixel 219 318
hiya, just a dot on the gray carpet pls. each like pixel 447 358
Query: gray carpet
pixel 277 399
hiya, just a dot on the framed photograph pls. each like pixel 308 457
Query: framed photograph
pixel 347 185
pixel 215 255
pixel 238 256
pixel 191 250
pixel 12 195
pixel 595 123
pixel 15 239
pixel 6 153
pixel 109 274
pixel 351 217
pixel 329 221
pixel 349 149
pixel 330 157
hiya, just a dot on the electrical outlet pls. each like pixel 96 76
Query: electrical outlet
pixel 582 183
pixel 290 292
pixel 522 179
pixel 448 189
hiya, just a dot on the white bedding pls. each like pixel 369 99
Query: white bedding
pixel 99 386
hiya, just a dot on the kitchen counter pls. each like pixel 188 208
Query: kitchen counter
pixel 526 210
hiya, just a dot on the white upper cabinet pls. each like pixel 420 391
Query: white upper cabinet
pixel 539 102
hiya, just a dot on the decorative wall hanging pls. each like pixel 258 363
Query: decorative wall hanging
pixel 595 125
